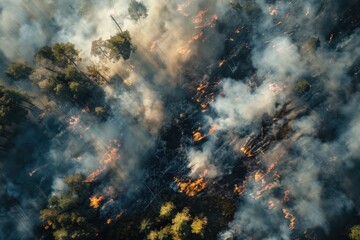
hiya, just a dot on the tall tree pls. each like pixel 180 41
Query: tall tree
pixel 18 71
pixel 137 10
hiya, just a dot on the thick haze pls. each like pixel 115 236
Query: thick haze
pixel 315 165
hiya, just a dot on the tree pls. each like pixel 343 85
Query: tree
pixel 45 55
pixel 65 54
pixel 18 71
pixel 354 233
pixel 302 86
pixel 137 10
pixel 66 216
pixel 120 45
pixel 12 109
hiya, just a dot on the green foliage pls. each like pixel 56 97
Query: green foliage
pixel 67 216
pixel 236 6
pixel 302 86
pixel 11 106
pixel 18 71
pixel 198 224
pixel 76 182
pixel 166 209
pixel 354 233
pixel 46 85
pixel 65 54
pixel 312 44
pixel 137 10
pixel 120 45
pixel 44 55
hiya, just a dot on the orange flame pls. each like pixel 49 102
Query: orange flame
pixel 92 176
pixel 191 188
pixel 246 151
pixel 286 196
pixel 183 51
pixel 111 156
pixel 48 224
pixel 198 136
pixel 95 201
pixel 264 189
pixel 272 204
pixel 290 217
pixel 240 189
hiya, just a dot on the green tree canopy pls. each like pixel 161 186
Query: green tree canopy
pixel 11 106
pixel 137 10
pixel 120 45
pixel 18 71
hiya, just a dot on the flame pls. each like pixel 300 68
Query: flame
pixel 222 62
pixel 182 7
pixel 196 37
pixel 240 189
pixel 95 201
pixel 286 196
pixel 264 189
pixel 48 224
pixel 272 204
pixel 74 120
pixel 276 176
pixel 183 51
pixel 111 156
pixel 290 217
pixel 258 176
pixel 108 221
pixel 212 129
pixel 246 151
pixel 199 16
pixel 198 136
pixel 92 176
pixel 271 167
pixel 191 188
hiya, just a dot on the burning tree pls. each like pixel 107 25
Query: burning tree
pixel 66 216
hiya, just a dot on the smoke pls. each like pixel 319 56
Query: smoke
pixel 301 142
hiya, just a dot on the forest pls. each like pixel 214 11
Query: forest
pixel 186 119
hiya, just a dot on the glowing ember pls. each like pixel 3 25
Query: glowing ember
pixel 111 156
pixel 74 120
pixel 290 217
pixel 196 37
pixel 271 167
pixel 108 221
pixel 95 201
pixel 212 129
pixel 246 151
pixel 264 189
pixel 198 136
pixel 286 196
pixel 182 7
pixel 258 176
pixel 48 224
pixel 240 189
pixel 92 176
pixel 183 51
pixel 272 204
pixel 222 63
pixel 191 187
pixel 199 16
